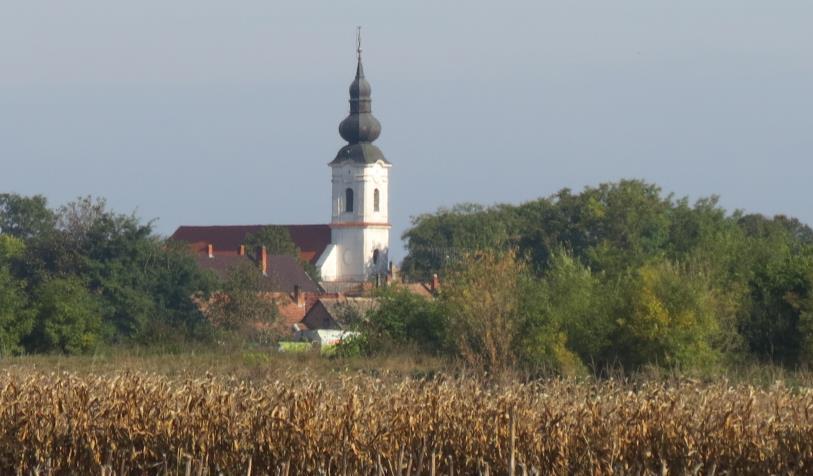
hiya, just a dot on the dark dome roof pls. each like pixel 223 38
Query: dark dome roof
pixel 360 128
pixel 361 153
pixel 363 127
pixel 360 87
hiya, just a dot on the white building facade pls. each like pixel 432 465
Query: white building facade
pixel 360 228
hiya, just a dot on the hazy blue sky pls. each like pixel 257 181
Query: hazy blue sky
pixel 221 112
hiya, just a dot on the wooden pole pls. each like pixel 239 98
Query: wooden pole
pixel 512 460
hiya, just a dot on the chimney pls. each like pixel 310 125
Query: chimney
pixel 211 249
pixel 435 285
pixel 392 273
pixel 299 296
pixel 264 260
pixel 242 250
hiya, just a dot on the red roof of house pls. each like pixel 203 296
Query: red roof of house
pixel 284 272
pixel 290 311
pixel 226 239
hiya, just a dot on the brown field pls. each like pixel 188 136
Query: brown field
pixel 96 420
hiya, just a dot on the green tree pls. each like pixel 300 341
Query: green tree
pixel 114 255
pixel 481 298
pixel 778 260
pixel 403 319
pixel 145 285
pixel 239 304
pixel 608 227
pixel 68 317
pixel 277 241
pixel 787 229
pixel 437 241
pixel 577 304
pixel 613 256
pixel 669 318
pixel 16 319
pixel 176 285
pixel 498 316
pixel 777 324
pixel 806 324
pixel 25 217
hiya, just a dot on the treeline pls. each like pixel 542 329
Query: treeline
pixel 619 274
pixel 80 276
pixel 616 275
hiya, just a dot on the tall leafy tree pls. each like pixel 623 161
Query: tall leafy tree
pixel 239 304
pixel 777 324
pixel 438 241
pixel 143 286
pixel 575 302
pixel 25 217
pixel 495 314
pixel 627 273
pixel 16 318
pixel 276 239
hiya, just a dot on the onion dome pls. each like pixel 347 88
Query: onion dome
pixel 360 128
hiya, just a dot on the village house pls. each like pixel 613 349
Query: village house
pixel 337 312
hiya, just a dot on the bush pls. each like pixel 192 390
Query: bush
pixel 68 317
pixel 669 319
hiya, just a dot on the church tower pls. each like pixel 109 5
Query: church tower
pixel 360 228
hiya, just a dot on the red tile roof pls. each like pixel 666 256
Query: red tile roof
pixel 223 265
pixel 290 311
pixel 332 312
pixel 284 272
pixel 310 239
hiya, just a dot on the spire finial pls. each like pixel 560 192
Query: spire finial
pixel 358 41
pixel 360 128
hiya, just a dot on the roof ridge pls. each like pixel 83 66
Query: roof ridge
pixel 254 224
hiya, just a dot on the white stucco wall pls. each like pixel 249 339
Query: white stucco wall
pixel 355 247
pixel 363 180
pixel 328 263
pixel 356 235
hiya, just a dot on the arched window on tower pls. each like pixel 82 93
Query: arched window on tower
pixel 348 200
pixel 376 200
pixel 375 255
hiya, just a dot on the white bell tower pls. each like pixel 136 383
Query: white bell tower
pixel 360 228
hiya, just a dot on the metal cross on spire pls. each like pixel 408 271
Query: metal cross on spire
pixel 358 41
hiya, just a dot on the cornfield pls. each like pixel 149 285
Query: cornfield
pixel 133 423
